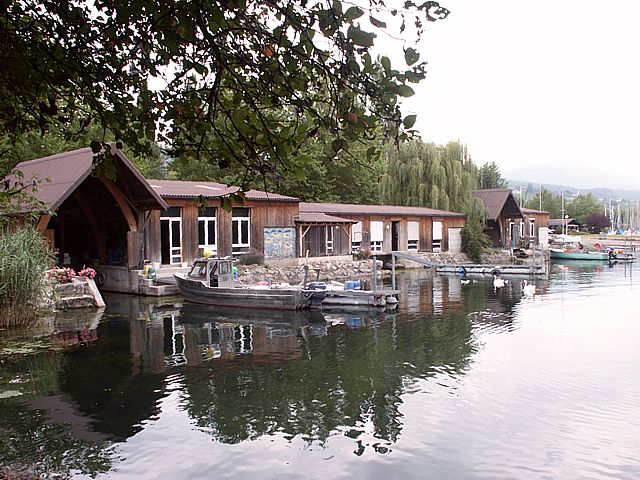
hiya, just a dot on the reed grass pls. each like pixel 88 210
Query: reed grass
pixel 24 259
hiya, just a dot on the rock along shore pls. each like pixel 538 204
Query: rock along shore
pixel 350 270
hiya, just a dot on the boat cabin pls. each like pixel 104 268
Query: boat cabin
pixel 214 272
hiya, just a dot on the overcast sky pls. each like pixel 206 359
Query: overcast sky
pixel 549 90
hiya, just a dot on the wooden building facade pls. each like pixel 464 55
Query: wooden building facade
pixel 380 229
pixel 508 224
pixel 321 235
pixel 503 216
pixel 195 221
pixel 535 226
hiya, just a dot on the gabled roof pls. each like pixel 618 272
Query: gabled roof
pixel 498 201
pixel 59 175
pixel 194 189
pixel 321 218
pixel 354 209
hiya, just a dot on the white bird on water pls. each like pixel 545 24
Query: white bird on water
pixel 529 289
pixel 497 281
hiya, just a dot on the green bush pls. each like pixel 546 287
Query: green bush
pixel 251 258
pixel 474 240
pixel 24 259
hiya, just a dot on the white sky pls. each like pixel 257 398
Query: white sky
pixel 549 90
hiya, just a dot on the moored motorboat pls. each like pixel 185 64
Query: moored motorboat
pixel 211 281
pixel 573 254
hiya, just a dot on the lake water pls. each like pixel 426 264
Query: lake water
pixel 460 382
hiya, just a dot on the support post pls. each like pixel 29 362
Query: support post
pixel 393 271
pixel 375 275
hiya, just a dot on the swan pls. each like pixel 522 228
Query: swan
pixel 497 281
pixel 529 289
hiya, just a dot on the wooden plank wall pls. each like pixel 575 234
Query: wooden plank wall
pixel 269 214
pixel 189 232
pixel 152 237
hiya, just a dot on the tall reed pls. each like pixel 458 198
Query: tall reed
pixel 24 259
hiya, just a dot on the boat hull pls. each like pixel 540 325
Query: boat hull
pixel 353 298
pixel 244 297
pixel 571 255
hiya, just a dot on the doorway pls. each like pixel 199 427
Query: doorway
pixel 171 236
pixel 395 235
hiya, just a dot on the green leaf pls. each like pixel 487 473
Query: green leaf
pixel 386 63
pixel 409 121
pixel 360 37
pixel 405 91
pixel 353 13
pixel 377 23
pixel 411 56
pixel 337 145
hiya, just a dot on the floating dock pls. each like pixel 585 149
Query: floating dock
pixel 470 269
pixel 474 269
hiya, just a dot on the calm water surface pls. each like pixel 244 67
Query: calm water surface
pixel 462 381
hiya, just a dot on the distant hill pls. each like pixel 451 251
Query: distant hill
pixel 530 189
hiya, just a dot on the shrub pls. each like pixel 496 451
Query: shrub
pixel 474 240
pixel 24 258
pixel 251 258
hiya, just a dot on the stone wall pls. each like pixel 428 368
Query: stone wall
pixel 323 271
pixel 79 293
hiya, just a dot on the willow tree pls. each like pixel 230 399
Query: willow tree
pixel 429 175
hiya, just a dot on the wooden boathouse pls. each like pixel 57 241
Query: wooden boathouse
pixel 263 225
pixel 503 216
pixel 381 229
pixel 92 219
pixel 509 225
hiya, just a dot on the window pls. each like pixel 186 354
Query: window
pixel 532 227
pixel 356 237
pixel 377 236
pixel 171 236
pixel 329 240
pixel 207 228
pixel 436 242
pixel 413 235
pixel 240 228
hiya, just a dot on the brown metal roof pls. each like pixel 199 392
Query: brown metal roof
pixel 498 201
pixel 59 175
pixel 194 189
pixel 555 222
pixel 353 209
pixel 532 211
pixel 316 217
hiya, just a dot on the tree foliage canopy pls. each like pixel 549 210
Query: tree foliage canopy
pixel 551 203
pixel 243 82
pixel 426 174
pixel 582 206
pixel 489 176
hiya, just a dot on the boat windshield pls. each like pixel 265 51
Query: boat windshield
pixel 199 270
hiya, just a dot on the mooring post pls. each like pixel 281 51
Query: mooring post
pixel 393 271
pixel 375 274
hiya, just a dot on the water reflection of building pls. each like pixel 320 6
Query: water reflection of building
pixel 188 335
pixel 430 294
